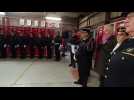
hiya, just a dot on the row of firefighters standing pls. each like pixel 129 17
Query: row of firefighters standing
pixel 21 45
pixel 114 56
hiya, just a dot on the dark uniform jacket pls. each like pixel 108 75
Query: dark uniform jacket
pixel 30 41
pixel 43 41
pixel 120 70
pixel 38 42
pixel 23 41
pixel 57 40
pixel 2 41
pixel 2 46
pixel 84 54
pixel 14 41
pixel 121 47
pixel 105 50
pixel 48 41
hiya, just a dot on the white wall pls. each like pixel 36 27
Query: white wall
pixel 68 23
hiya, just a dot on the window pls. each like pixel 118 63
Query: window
pixel 28 22
pixel 2 13
pixel 36 23
pixel 22 21
pixel 43 23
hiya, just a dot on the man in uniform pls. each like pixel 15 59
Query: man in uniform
pixel 40 45
pixel 57 43
pixel 2 45
pixel 49 45
pixel 44 44
pixel 120 70
pixel 13 44
pixel 109 42
pixel 84 56
pixel 122 38
pixel 31 45
pixel 23 45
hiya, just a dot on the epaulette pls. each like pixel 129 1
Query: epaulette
pixel 129 51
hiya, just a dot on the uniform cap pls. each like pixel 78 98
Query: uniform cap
pixel 85 30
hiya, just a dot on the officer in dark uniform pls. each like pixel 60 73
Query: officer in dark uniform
pixel 4 53
pixel 37 45
pixel 105 49
pixel 8 42
pixel 44 44
pixel 122 38
pixel 2 45
pixel 57 43
pixel 84 56
pixel 120 69
pixel 40 45
pixel 13 44
pixel 23 42
pixel 49 45
pixel 31 45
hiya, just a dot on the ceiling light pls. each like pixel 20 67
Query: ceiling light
pixel 2 13
pixel 54 18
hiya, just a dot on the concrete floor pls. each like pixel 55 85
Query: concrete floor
pixel 38 73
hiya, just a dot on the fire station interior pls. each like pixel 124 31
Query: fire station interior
pixel 43 71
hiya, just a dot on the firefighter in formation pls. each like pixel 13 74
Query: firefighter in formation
pixel 21 44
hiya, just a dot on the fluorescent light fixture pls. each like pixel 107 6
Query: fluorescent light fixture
pixel 2 13
pixel 53 18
